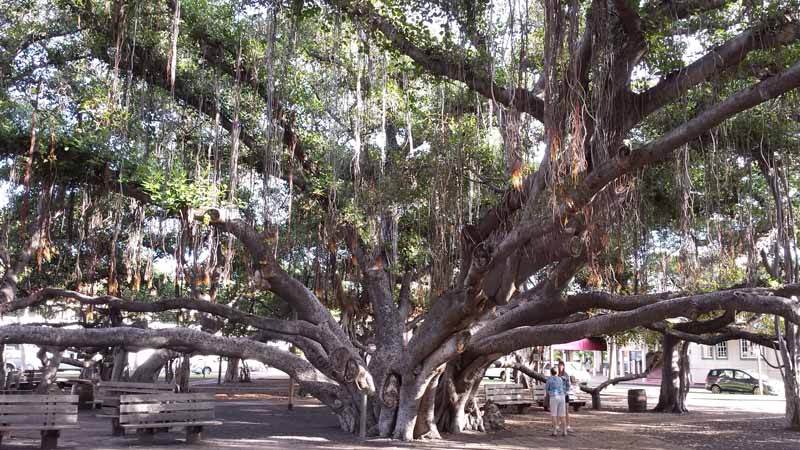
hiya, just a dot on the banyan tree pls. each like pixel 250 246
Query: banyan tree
pixel 404 191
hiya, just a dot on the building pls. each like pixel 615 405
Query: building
pixel 24 356
pixel 735 354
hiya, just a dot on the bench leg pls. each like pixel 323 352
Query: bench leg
pixel 50 439
pixel 146 435
pixel 194 435
pixel 116 430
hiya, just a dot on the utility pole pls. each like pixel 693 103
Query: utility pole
pixel 760 380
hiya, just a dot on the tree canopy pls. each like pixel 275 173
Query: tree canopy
pixel 404 190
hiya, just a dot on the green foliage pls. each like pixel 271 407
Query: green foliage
pixel 175 190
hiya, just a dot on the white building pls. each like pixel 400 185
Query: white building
pixel 736 354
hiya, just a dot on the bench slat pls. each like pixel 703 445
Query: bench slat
pixel 38 427
pixel 38 408
pixel 162 407
pixel 13 399
pixel 59 419
pixel 183 416
pixel 155 398
pixel 174 424
pixel 131 385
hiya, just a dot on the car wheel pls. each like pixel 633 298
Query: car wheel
pixel 756 390
pixel 10 367
pixel 715 389
pixel 206 371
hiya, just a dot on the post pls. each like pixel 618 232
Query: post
pixel 362 431
pixel 194 435
pixel 2 366
pixel 49 439
pixel 291 393
pixel 760 380
pixel 146 435
pixel 219 370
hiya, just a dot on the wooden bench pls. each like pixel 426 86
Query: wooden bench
pixel 108 393
pixel 149 412
pixel 48 413
pixel 540 397
pixel 505 394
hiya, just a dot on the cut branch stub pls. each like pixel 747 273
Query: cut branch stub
pixel 462 341
pixel 352 370
pixel 390 395
pixel 481 257
pixel 339 359
pixel 576 246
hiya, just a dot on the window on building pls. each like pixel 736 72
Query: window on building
pixel 747 350
pixel 722 350
pixel 707 352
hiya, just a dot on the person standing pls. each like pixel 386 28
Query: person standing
pixel 555 391
pixel 562 373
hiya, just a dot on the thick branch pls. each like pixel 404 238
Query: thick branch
pixel 767 35
pixel 184 340
pixel 439 63
pixel 280 327
pixel 691 306
pixel 599 388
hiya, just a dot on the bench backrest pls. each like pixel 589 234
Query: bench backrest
pixel 39 411
pixel 117 388
pixel 109 392
pixel 166 408
pixel 539 392
pixel 503 392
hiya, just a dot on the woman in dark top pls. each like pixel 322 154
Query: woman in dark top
pixel 562 372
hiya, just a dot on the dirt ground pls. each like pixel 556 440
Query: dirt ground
pixel 256 417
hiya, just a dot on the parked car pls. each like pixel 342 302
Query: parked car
pixel 204 365
pixel 208 364
pixel 577 374
pixel 736 380
pixel 496 371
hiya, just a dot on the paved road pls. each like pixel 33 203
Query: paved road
pixel 703 400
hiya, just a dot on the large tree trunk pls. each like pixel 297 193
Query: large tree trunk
pixel 790 345
pixel 232 371
pixel 149 370
pixel 674 376
pixel 120 363
pixel 49 368
pixel 183 373
pixel 456 408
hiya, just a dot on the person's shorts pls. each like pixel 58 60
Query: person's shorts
pixel 558 407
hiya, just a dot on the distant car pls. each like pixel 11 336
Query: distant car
pixel 736 380
pixel 496 371
pixel 577 374
pixel 201 370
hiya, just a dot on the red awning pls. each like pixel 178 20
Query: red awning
pixel 592 343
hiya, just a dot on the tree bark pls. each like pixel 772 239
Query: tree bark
pixel 49 368
pixel 148 371
pixel 232 371
pixel 673 382
pixel 120 363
